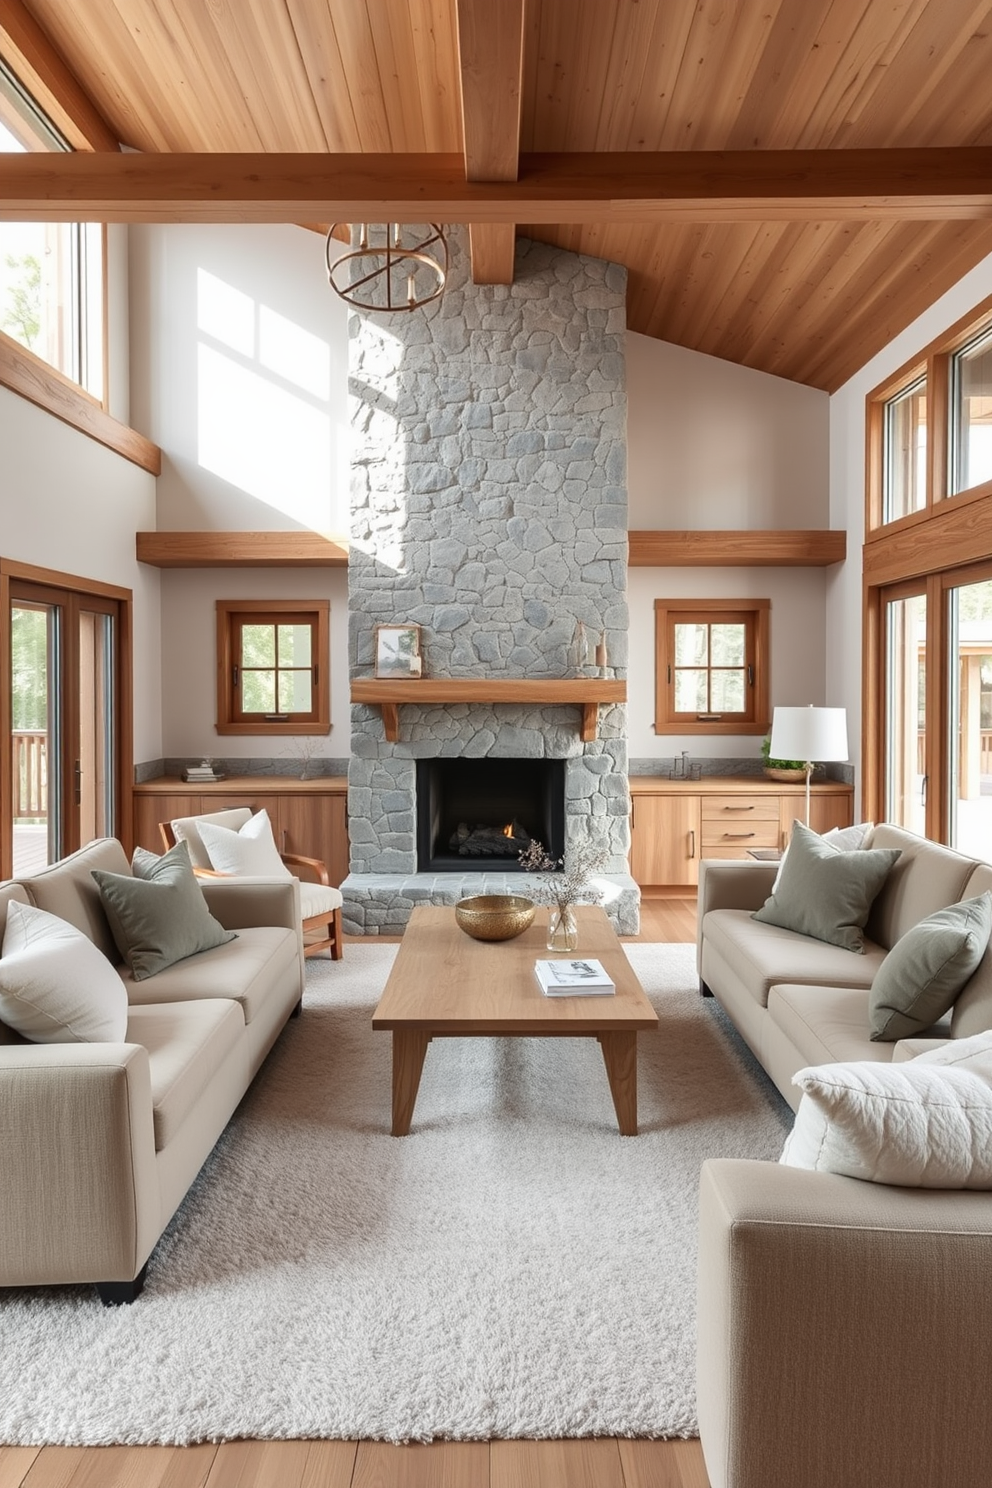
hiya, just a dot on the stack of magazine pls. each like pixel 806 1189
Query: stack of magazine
pixel 581 977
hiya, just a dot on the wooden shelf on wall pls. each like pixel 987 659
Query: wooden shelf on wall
pixel 772 549
pixel 303 549
pixel 586 692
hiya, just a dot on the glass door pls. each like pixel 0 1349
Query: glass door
pixel 905 712
pixel 64 722
pixel 969 746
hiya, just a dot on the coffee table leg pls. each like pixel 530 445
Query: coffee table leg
pixel 620 1058
pixel 409 1048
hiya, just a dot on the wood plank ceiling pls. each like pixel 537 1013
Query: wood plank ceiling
pixel 810 300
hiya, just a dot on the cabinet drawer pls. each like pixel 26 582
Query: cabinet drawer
pixel 750 832
pixel 740 808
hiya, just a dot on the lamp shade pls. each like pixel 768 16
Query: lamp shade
pixel 809 734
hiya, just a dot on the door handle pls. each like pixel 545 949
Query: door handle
pixel 78 782
pixel 692 843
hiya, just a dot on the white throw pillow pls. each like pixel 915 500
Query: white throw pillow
pixel 55 986
pixel 249 852
pixel 926 1123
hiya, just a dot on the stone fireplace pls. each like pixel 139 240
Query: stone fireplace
pixel 489 507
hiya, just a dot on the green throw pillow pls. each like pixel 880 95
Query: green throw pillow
pixel 927 968
pixel 159 916
pixel 826 893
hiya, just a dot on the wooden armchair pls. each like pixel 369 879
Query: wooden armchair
pixel 320 901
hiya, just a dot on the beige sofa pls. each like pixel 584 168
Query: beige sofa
pixel 845 1327
pixel 100 1141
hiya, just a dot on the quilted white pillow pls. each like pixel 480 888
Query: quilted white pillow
pixel 55 986
pixel 249 852
pixel 925 1123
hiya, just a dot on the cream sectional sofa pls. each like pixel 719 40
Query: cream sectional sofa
pixel 845 1327
pixel 99 1142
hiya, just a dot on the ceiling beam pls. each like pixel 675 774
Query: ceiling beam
pixel 52 84
pixel 683 186
pixel 491 58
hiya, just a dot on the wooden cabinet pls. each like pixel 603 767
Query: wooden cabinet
pixel 675 823
pixel 309 817
pixel 665 839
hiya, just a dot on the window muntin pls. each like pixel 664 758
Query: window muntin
pixel 971 415
pixel 273 666
pixel 904 487
pixel 711 666
pixel 51 273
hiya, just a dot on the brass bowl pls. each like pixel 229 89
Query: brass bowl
pixel 495 916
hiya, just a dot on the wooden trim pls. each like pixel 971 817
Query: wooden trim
pixel 301 549
pixel 6 762
pixel 28 376
pixel 52 84
pixel 315 612
pixel 51 578
pixel 493 247
pixel 742 549
pixel 588 693
pixel 957 531
pixel 490 56
pixel 756 614
pixel 938 432
pixel 934 184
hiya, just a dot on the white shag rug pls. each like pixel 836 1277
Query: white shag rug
pixel 513 1268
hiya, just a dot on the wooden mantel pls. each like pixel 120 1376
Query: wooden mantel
pixel 586 692
pixel 297 549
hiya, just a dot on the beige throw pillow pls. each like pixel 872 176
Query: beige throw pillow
pixel 55 986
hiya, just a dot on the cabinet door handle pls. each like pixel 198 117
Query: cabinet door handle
pixel 692 843
pixel 733 836
pixel 739 808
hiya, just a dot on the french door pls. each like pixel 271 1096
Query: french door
pixel 66 696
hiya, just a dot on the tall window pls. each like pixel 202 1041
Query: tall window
pixel 272 666
pixel 927 563
pixel 711 666
pixel 51 273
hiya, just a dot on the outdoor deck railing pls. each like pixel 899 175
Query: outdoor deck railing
pixel 985 757
pixel 30 771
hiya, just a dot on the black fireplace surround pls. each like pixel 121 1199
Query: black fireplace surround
pixel 478 814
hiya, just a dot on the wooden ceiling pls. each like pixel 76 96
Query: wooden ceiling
pixel 790 283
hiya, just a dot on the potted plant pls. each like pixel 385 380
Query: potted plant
pixel 777 769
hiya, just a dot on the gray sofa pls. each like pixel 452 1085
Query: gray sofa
pixel 845 1327
pixel 101 1141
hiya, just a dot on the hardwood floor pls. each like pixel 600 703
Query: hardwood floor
pixel 601 1462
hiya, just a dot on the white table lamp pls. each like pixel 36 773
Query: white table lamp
pixel 814 735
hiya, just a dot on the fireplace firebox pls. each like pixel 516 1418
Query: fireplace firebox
pixel 483 812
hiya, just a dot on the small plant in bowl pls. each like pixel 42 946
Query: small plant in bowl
pixel 777 769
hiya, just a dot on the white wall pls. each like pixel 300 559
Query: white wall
pixel 69 504
pixel 715 446
pixel 847 486
pixel 239 370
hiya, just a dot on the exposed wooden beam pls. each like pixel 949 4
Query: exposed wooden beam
pixel 53 85
pixel 491 59
pixel 774 549
pixel 703 186
pixel 303 549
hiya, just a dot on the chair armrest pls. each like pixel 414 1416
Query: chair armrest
pixel 842 1330
pixel 78 1173
pixel 241 902
pixel 319 869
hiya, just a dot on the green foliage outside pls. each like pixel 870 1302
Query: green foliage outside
pixel 22 313
pixel 29 657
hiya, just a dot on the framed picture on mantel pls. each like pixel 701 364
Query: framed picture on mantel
pixel 397 651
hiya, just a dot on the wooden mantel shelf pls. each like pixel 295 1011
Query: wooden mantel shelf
pixel 302 549
pixel 777 548
pixel 587 692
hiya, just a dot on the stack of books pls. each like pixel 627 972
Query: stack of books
pixel 578 977
pixel 203 774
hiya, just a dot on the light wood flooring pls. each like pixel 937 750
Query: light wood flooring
pixel 603 1462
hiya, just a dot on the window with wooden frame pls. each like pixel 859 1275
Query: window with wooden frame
pixel 273 666
pixel 711 666
pixel 927 631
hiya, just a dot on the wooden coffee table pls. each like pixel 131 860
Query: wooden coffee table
pixel 444 984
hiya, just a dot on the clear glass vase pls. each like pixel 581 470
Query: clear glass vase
pixel 563 929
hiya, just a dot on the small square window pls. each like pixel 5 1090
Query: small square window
pixel 272 667
pixel 711 666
